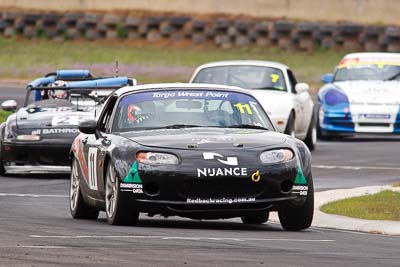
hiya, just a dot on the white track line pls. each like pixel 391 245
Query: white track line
pixel 355 168
pixel 38 246
pixel 29 195
pixel 195 238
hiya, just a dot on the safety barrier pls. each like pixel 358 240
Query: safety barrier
pixel 223 31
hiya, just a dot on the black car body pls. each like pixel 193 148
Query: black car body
pixel 196 151
pixel 38 137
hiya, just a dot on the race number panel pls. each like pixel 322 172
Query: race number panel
pixel 92 159
pixel 66 120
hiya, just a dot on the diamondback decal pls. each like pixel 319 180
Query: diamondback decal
pixel 300 178
pixel 133 175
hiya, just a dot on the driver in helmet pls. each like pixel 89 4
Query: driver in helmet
pixel 141 112
pixel 58 93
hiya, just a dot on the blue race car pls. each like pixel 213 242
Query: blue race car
pixel 361 97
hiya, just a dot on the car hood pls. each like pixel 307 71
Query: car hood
pixel 50 118
pixel 206 138
pixel 374 92
pixel 271 100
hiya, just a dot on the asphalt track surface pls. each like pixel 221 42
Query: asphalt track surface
pixel 36 228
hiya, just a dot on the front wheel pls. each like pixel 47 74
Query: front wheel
pixel 257 218
pixel 298 217
pixel 79 209
pixel 290 125
pixel 311 138
pixel 117 211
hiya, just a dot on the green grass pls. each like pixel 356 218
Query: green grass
pixel 20 58
pixel 3 115
pixel 381 206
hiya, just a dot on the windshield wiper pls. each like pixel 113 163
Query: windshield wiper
pixel 178 126
pixel 247 126
pixel 391 78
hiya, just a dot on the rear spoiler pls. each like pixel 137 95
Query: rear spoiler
pixel 76 79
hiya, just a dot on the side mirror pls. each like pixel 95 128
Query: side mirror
pixel 88 127
pixel 327 78
pixel 9 105
pixel 302 87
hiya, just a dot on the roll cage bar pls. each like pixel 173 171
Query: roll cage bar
pixel 76 80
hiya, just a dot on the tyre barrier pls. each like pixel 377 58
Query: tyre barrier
pixel 225 32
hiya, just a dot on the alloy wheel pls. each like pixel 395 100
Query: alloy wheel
pixel 74 186
pixel 111 191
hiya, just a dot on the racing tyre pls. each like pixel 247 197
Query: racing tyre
pixel 117 212
pixel 311 138
pixel 257 218
pixel 290 125
pixel 79 209
pixel 298 217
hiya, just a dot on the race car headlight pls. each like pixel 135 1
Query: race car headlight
pixel 334 97
pixel 28 137
pixel 276 156
pixel 156 158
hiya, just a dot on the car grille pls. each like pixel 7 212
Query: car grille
pixel 365 124
pixel 228 187
pixel 342 123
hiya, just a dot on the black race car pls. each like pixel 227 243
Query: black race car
pixel 38 137
pixel 192 150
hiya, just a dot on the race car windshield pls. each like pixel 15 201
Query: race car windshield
pixel 79 99
pixel 361 72
pixel 248 77
pixel 188 109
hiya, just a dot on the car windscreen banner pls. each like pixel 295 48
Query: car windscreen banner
pixel 192 94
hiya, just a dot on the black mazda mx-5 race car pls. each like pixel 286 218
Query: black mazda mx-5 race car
pixel 193 150
pixel 38 137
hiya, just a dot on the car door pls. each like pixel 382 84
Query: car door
pixel 300 101
pixel 95 150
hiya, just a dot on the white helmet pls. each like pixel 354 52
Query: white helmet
pixel 58 93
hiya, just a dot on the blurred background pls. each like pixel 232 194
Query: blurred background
pixel 164 40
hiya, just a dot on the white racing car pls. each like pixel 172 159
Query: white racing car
pixel 287 102
pixel 362 96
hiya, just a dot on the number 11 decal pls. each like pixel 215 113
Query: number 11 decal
pixel 243 107
pixel 92 159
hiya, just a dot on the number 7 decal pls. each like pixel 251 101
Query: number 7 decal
pixel 274 78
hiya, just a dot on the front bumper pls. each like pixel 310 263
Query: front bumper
pixel 26 169
pixel 175 192
pixel 360 119
pixel 209 211
pixel 28 157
